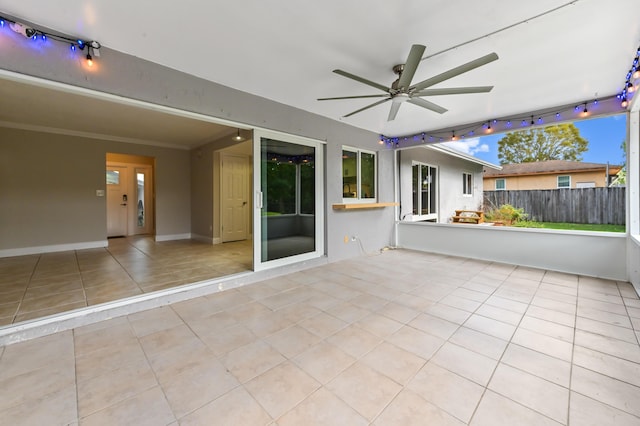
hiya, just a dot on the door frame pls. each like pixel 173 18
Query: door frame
pixel 247 191
pixel 319 235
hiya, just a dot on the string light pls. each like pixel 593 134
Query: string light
pixel 630 85
pixel 569 112
pixel 92 47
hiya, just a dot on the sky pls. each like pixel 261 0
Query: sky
pixel 605 135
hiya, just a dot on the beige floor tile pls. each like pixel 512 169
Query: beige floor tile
pixel 589 412
pixel 379 325
pixel 52 310
pixel 251 360
pixel 414 302
pixel 531 391
pixel 448 391
pixel 496 410
pixel 348 312
pixel 545 344
pixel 267 324
pixel 236 407
pixel 489 326
pixel 292 341
pixel 607 390
pixel 608 365
pixel 605 344
pixel 398 312
pixel 322 408
pixel 434 326
pixel 508 304
pixel 46 290
pixel 354 340
pixel 538 364
pixel 182 358
pixel 466 363
pixel 154 320
pixel 568 319
pixel 395 363
pixel 554 305
pixel 157 343
pixel 324 361
pixel 460 303
pixel 548 328
pixel 281 388
pixel 449 313
pixel 416 341
pixel 58 407
pixel 53 351
pixel 99 392
pixel 604 329
pixel 603 316
pixel 500 314
pixel 479 342
pixel 228 339
pixel 55 299
pixel 408 409
pixel 323 324
pixel 197 386
pixel 146 408
pixel 111 357
pixel 34 385
pixel 364 389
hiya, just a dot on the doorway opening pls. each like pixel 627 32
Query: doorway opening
pixel 130 195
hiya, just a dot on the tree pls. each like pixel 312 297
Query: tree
pixel 558 142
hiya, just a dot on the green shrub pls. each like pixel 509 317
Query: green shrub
pixel 506 214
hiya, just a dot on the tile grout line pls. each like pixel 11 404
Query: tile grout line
pixel 15 316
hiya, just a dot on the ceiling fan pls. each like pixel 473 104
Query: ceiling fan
pixel 402 91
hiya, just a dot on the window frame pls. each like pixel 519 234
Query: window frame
pixel 558 182
pixel 358 153
pixel 435 188
pixel 504 184
pixel 467 184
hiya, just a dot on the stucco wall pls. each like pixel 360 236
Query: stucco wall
pixel 450 169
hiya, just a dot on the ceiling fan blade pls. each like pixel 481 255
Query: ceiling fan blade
pixel 453 91
pixel 367 107
pixel 453 72
pixel 395 106
pixel 428 105
pixel 353 97
pixel 410 66
pixel 362 80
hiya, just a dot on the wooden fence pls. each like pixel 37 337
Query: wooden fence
pixel 583 205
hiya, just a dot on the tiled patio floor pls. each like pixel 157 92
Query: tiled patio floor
pixel 402 338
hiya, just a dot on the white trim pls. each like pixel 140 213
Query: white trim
pixel 454 153
pixel 202 238
pixel 216 240
pixel 558 182
pixel 173 237
pixel 495 184
pixel 53 248
pixel 464 183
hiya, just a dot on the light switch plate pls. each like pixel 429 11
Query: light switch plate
pixel 99 192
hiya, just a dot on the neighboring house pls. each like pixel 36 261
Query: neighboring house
pixel 550 174
pixel 436 180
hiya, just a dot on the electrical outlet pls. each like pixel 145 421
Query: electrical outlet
pixel 353 238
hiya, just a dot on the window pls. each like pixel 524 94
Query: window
pixel 564 181
pixel 424 185
pixel 467 184
pixel 501 184
pixel 358 174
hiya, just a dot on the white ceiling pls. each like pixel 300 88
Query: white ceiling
pixel 551 52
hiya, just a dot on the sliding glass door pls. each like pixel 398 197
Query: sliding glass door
pixel 289 219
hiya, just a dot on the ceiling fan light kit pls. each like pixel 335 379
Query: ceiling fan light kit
pixel 402 90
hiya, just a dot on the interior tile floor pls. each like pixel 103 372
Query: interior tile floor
pixel 401 338
pixel 39 285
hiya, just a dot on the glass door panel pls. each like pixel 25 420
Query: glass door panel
pixel 290 200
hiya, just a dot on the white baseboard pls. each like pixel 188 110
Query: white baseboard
pixel 172 237
pixel 23 251
pixel 217 240
pixel 202 238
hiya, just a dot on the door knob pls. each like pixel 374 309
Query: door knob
pixel 244 203
pixel 123 204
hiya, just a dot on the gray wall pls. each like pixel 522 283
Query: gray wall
pixel 450 171
pixel 48 184
pixel 131 77
pixel 597 254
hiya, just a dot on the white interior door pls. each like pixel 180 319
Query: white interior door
pixel 235 197
pixel 117 200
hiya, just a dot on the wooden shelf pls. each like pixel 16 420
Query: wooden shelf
pixel 350 206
